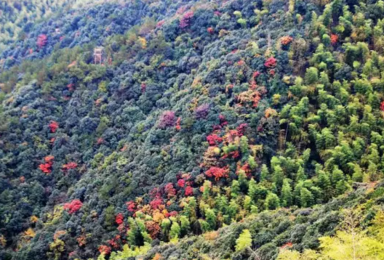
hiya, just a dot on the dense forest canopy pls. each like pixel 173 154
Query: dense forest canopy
pixel 171 129
pixel 18 17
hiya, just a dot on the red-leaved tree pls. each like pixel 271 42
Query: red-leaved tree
pixel 188 191
pixel 73 206
pixel 153 228
pixel 214 139
pixel 241 129
pixel 131 206
pixel 185 20
pixel 69 166
pixel 334 39
pixel 119 219
pixel 170 190
pixel 104 250
pixel 167 119
pixel 155 203
pixel 53 125
pixel 178 127
pixel 217 172
pixel 181 183
pixel 270 62
pixel 41 40
pixel 47 166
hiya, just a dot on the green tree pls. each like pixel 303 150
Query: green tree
pixel 264 174
pixel 233 208
pixel 204 226
pixel 190 209
pixel 235 189
pixel 286 193
pixel 135 235
pixel 184 225
pixel 252 189
pixel 306 198
pixel 247 202
pixel 357 173
pixel 300 176
pixel 244 145
pixel 272 201
pixel 210 216
pixel 175 230
pixel 243 181
pixel 165 226
pixel 312 75
pixel 109 217
pixel 278 176
pixel 252 163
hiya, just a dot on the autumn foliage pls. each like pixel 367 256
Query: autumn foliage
pixel 188 191
pixel 53 125
pixel 47 166
pixel 73 206
pixel 185 20
pixel 270 62
pixel 41 40
pixel 131 206
pixel 119 219
pixel 382 106
pixel 181 183
pixel 153 228
pixel 217 172
pixel 214 139
pixel 285 40
pixel 105 250
pixel 334 39
pixel 178 127
pixel 223 120
pixel 167 119
pixel 155 203
pixel 69 166
pixel 170 190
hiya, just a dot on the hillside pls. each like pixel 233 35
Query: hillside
pixel 162 129
pixel 18 17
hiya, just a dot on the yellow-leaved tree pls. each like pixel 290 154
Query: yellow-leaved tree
pixel 244 240
pixel 352 242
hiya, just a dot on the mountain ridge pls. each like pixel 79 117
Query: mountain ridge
pixel 182 124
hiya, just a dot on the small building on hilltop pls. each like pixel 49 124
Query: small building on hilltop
pixel 98 54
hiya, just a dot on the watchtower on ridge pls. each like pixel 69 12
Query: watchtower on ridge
pixel 98 55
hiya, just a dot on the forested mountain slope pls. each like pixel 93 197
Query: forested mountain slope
pixel 18 17
pixel 126 127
